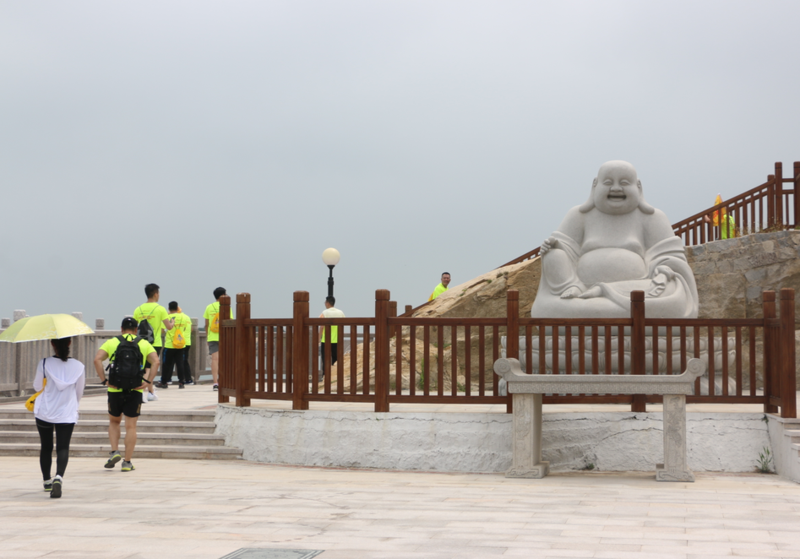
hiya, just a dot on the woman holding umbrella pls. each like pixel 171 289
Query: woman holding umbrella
pixel 56 408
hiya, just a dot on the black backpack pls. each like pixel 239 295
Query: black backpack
pixel 126 368
pixel 145 331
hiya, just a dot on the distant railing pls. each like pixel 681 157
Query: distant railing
pixel 18 361
pixel 450 360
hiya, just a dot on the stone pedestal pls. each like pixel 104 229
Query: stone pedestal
pixel 675 467
pixel 527 438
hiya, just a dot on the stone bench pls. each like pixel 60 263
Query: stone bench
pixel 527 391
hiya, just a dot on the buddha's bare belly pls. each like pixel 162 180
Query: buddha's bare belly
pixel 609 265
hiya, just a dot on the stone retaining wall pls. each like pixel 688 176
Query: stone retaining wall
pixel 481 442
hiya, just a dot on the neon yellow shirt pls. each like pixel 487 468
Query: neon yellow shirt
pixel 727 227
pixel 211 310
pixel 332 312
pixel 110 347
pixel 155 314
pixel 438 291
pixel 184 324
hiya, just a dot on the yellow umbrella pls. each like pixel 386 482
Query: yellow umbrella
pixel 45 327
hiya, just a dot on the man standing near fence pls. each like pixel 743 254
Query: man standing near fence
pixel 212 331
pixel 330 312
pixel 442 287
pixel 156 318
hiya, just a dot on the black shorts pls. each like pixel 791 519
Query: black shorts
pixel 127 402
pixel 158 352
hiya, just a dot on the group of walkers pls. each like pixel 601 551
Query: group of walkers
pixel 134 358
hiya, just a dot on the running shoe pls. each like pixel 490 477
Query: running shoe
pixel 151 396
pixel 48 485
pixel 216 387
pixel 181 385
pixel 56 492
pixel 127 466
pixel 113 457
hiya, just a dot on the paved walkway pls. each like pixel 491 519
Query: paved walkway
pixel 208 509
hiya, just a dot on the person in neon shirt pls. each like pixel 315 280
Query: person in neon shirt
pixel 442 287
pixel 125 402
pixel 175 356
pixel 330 312
pixel 158 318
pixel 213 337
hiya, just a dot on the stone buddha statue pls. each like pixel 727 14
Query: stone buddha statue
pixel 613 244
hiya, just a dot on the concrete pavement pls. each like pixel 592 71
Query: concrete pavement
pixel 208 509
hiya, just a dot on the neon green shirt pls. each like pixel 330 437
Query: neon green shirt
pixel 184 324
pixel 155 314
pixel 332 312
pixel 110 347
pixel 211 310
pixel 727 227
pixel 438 291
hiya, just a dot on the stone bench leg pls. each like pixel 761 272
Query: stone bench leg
pixel 675 466
pixel 527 451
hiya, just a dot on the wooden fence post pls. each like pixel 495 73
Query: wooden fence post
pixel 796 194
pixel 779 195
pixel 512 335
pixel 770 204
pixel 225 376
pixel 639 403
pixel 788 370
pixel 771 357
pixel 409 308
pixel 244 349
pixel 300 348
pixel 382 350
pixel 392 314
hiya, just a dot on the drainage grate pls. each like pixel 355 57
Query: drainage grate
pixel 263 553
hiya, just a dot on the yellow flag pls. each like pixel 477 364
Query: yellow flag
pixel 715 215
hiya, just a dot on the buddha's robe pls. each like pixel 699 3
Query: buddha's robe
pixel 608 256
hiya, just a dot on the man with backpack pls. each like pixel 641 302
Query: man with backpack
pixel 176 347
pixel 152 317
pixel 212 331
pixel 126 381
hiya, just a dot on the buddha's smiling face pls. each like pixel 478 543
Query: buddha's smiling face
pixel 617 189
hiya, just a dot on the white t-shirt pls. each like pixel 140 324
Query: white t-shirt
pixel 65 382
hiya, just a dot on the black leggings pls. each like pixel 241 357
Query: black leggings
pixel 63 436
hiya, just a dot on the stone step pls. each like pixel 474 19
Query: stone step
pixel 170 439
pixel 101 426
pixel 147 415
pixel 198 452
pixel 793 434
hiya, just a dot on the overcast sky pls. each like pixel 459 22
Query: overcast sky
pixel 197 144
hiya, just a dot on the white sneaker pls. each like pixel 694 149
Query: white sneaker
pixel 144 397
pixel 152 396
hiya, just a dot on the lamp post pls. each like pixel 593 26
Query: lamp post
pixel 330 256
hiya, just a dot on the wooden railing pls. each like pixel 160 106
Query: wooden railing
pixel 449 360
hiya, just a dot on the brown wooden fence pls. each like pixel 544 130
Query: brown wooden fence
pixel 450 360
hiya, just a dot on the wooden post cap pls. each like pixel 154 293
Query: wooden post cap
pixel 301 296
pixel 242 297
pixel 768 296
pixel 225 300
pixel 637 296
pixel 381 294
pixel 512 295
pixel 787 293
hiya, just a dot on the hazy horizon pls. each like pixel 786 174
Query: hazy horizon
pixel 203 144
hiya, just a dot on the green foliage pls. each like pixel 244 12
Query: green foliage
pixel 764 461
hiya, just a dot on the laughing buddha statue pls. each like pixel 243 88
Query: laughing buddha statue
pixel 613 244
